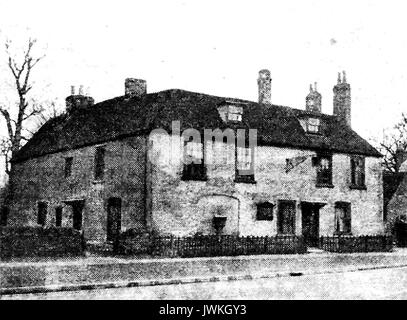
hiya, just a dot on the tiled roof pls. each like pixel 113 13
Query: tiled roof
pixel 119 117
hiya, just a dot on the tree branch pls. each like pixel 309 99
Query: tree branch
pixel 7 117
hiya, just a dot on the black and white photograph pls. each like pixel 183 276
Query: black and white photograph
pixel 203 150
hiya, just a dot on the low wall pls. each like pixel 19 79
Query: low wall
pixel 40 242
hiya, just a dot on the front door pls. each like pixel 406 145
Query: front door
pixel 77 208
pixel 310 223
pixel 114 208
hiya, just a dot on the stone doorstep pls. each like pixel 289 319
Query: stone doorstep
pixel 186 280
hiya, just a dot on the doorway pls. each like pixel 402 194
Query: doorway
pixel 114 215
pixel 310 222
pixel 77 210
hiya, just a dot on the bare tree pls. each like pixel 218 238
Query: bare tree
pixel 26 108
pixel 394 146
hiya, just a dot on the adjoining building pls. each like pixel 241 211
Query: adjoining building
pixel 98 168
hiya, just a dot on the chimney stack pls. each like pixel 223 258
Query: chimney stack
pixel 78 101
pixel 313 100
pixel 264 84
pixel 342 99
pixel 135 87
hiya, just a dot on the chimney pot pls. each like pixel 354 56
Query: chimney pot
pixel 78 101
pixel 264 84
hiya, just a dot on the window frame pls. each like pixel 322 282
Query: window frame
pixel 42 212
pixel 4 214
pixel 354 183
pixel 58 216
pixel 309 125
pixel 281 219
pixel 244 178
pixel 262 216
pixel 99 163
pixel 321 181
pixel 346 222
pixel 236 111
pixel 68 167
pixel 194 171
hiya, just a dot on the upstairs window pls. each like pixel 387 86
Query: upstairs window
pixel 235 113
pixel 357 166
pixel 194 166
pixel 42 213
pixel 99 170
pixel 230 112
pixel 323 164
pixel 313 125
pixel 265 211
pixel 68 167
pixel 342 218
pixel 244 165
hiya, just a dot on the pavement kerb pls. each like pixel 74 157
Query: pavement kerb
pixel 116 260
pixel 189 280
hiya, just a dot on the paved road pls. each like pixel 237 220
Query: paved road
pixel 373 284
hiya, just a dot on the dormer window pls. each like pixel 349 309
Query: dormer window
pixel 313 125
pixel 235 113
pixel 230 112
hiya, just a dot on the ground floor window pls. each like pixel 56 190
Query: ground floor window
pixel 42 213
pixel 286 217
pixel 58 216
pixel 4 211
pixel 265 211
pixel 342 218
pixel 114 206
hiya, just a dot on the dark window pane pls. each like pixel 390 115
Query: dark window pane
pixel 68 167
pixel 113 218
pixel 4 212
pixel 58 216
pixel 358 171
pixel 324 170
pixel 342 218
pixel 244 165
pixel 194 171
pixel 265 211
pixel 99 163
pixel 42 213
pixel 194 162
pixel 286 217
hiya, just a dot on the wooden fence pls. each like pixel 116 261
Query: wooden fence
pixel 210 246
pixel 348 244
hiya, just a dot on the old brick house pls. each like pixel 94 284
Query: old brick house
pixel 97 168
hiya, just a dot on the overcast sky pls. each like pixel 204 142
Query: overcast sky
pixel 218 47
